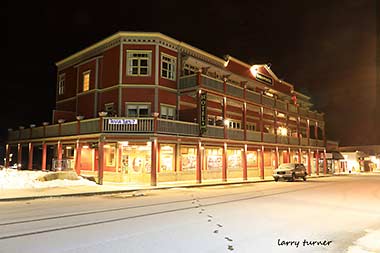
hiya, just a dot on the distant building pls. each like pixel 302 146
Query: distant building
pixel 361 158
pixel 145 108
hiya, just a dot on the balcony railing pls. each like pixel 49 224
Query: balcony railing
pixel 188 81
pixel 146 125
pixel 253 96
pixel 212 83
pixel 235 91
pixel 235 134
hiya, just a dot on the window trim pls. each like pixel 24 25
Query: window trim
pixel 174 64
pixel 129 59
pixel 167 115
pixel 137 104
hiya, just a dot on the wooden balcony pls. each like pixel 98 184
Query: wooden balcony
pixel 145 126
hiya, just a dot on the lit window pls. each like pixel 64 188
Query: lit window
pixel 168 68
pixel 86 81
pixel 138 110
pixel 189 70
pixel 61 84
pixel 110 151
pixel 233 124
pixel 167 112
pixel 138 63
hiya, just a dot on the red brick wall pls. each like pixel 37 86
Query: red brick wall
pixel 86 105
pixel 69 105
pixel 70 83
pixel 137 95
pixel 109 67
pixel 109 96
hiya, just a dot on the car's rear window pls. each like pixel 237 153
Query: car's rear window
pixel 286 166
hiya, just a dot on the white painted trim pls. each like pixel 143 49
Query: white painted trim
pixel 173 64
pixel 86 61
pixel 65 100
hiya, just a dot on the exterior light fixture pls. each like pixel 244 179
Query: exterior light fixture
pixel 226 122
pixel 60 121
pixel 80 117
pixel 253 70
pixel 102 114
pixel 45 123
pixel 282 131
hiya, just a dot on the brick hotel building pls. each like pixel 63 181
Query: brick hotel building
pixel 144 108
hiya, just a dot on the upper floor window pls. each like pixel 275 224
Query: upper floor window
pixel 86 81
pixel 167 112
pixel 189 70
pixel 168 66
pixel 61 84
pixel 137 110
pixel 139 62
pixel 234 124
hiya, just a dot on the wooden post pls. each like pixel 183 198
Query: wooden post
pixel 224 167
pixel 44 149
pixel 7 154
pixel 78 157
pixel 309 162
pixel 262 176
pixel 100 161
pixel 30 160
pixel 199 163
pixel 317 162
pixel 245 171
pixel 154 157
pixel 19 155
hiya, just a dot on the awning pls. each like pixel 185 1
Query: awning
pixel 337 155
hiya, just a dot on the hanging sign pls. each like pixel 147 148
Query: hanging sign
pixel 263 78
pixel 203 116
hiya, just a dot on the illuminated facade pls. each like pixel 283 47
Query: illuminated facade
pixel 146 108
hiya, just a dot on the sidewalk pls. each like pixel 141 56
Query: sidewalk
pixel 113 188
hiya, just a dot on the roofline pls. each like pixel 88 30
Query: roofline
pixel 301 94
pixel 121 34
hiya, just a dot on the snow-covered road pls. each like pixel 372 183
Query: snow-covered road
pixel 337 214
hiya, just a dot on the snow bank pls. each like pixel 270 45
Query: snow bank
pixel 24 179
pixel 367 244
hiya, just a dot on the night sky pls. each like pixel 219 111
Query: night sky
pixel 327 49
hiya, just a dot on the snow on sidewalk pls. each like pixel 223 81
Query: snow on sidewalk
pixel 24 179
pixel 369 243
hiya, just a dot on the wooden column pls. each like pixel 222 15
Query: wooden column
pixel 7 154
pixel 19 155
pixel 44 151
pixel 154 157
pixel 308 132
pixel 262 163
pixel 30 158
pixel 317 162
pixel 224 110
pixel 309 162
pixel 324 162
pixel 59 152
pixel 262 122
pixel 199 163
pixel 276 158
pixel 78 157
pixel 100 162
pixel 245 172
pixel 224 167
pixel 299 155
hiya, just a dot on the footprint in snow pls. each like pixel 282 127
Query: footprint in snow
pixel 230 247
pixel 219 225
pixel 228 239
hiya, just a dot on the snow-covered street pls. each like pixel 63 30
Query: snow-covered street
pixel 335 214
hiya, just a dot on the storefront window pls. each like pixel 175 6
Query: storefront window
pixel 110 151
pixel 167 158
pixel 136 158
pixel 251 159
pixel 214 158
pixel 234 159
pixel 188 158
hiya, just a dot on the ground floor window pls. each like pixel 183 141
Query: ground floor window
pixel 188 158
pixel 110 154
pixel 234 159
pixel 214 158
pixel 136 158
pixel 251 159
pixel 167 157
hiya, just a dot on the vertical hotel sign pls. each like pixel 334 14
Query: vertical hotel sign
pixel 203 112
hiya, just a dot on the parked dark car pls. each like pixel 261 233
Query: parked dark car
pixel 290 171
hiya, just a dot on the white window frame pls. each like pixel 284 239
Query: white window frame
pixel 171 69
pixel 137 105
pixel 88 72
pixel 235 124
pixel 109 107
pixel 61 84
pixel 167 108
pixel 136 55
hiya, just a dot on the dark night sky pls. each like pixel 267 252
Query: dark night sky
pixel 325 48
